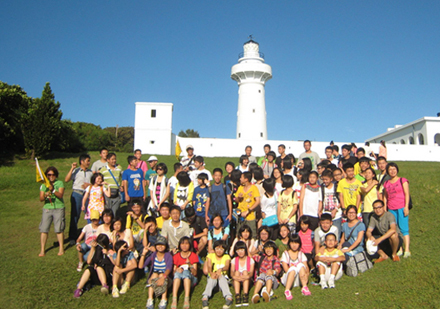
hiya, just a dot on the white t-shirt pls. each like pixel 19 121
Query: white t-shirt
pixel 90 234
pixel 330 194
pixel 194 174
pixel 269 204
pixel 278 187
pixel 320 234
pixel 286 258
pixel 312 197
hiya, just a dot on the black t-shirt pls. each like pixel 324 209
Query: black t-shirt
pixel 352 160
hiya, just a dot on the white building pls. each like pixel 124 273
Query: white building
pixel 152 128
pixel 251 74
pixel 423 131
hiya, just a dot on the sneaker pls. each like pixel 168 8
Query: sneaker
pixel 115 292
pixel 400 252
pixel 150 303
pixel 265 296
pixel 305 291
pixel 407 254
pixel 323 285
pixel 205 304
pixel 255 299
pixel 124 287
pixel 104 289
pixel 78 293
pixel 228 303
pixel 288 295
pixel 80 266
pixel 245 300
pixel 163 304
pixel 331 283
pixel 238 300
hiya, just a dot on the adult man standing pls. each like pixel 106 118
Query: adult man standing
pixel 308 153
pixel 390 238
pixel 282 152
pixel 113 176
pixel 248 151
pixel 188 161
pixel 264 159
pixel 80 177
pixel 97 165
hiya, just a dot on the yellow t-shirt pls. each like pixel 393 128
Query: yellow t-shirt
pixel 286 204
pixel 334 253
pixel 218 262
pixel 248 200
pixel 369 198
pixel 349 191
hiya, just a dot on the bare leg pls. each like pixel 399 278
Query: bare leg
pixel 129 276
pixel 269 284
pixel 245 287
pixel 43 240
pixel 321 270
pixel 187 286
pixel 176 286
pixel 303 276
pixel 60 237
pixel 101 275
pixel 202 244
pixel 290 279
pixel 406 243
pixel 81 256
pixel 84 278
pixel 258 286
pixel 236 287
pixel 394 241
pixel 334 268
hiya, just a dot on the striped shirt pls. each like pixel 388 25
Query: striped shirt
pixel 117 172
pixel 159 266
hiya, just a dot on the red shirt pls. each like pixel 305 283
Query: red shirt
pixel 179 260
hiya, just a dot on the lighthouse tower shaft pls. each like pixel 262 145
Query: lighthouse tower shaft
pixel 251 74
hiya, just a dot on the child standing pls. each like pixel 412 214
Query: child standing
pixel 183 194
pixel 267 269
pixel 330 199
pixel 349 188
pixel 201 197
pixel 287 204
pixel 269 206
pixel 159 190
pixel 369 194
pixel 219 199
pixel 295 267
pixel 217 266
pixel 95 195
pixel 242 270
pixel 161 265
pixel 329 261
pixel 305 233
pixel 311 200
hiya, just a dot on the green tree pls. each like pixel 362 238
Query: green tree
pixel 122 138
pixel 14 103
pixel 188 133
pixel 41 124
pixel 92 136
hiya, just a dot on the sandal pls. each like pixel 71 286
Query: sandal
pixel 174 303
pixel 186 303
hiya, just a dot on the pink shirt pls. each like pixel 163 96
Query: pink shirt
pixel 306 241
pixel 395 194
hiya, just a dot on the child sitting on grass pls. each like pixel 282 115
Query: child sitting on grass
pixel 89 233
pixel 218 232
pixel 267 269
pixel 242 270
pixel 161 265
pixel 125 263
pixel 101 267
pixel 329 262
pixel 295 267
pixel 217 267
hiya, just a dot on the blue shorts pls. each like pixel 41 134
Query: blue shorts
pixel 402 221
pixel 186 274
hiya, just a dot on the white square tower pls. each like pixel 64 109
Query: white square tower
pixel 153 127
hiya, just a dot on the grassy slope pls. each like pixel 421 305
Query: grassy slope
pixel 28 281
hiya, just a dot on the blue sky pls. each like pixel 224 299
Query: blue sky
pixel 342 70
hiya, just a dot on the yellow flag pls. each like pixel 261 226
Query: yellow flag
pixel 178 150
pixel 41 177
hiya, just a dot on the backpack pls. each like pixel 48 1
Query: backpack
pixel 358 263
pixel 248 263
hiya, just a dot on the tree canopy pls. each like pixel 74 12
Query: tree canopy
pixel 188 133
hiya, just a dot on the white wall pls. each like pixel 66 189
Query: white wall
pixel 215 147
pixel 153 134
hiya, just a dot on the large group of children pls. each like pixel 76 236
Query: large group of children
pixel 262 224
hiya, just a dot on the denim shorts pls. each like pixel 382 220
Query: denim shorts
pixel 186 274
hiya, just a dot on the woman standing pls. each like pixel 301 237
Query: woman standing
pixel 396 199
pixel 53 210
pixel 382 149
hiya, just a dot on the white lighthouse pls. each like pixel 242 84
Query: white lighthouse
pixel 251 74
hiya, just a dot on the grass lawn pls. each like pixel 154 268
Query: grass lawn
pixel 28 281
